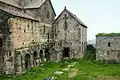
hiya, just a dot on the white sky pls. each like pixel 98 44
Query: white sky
pixel 98 15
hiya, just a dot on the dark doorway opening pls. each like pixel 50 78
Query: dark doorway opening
pixel 27 61
pixel 35 58
pixel 47 54
pixel 66 52
pixel 41 53
pixel 41 56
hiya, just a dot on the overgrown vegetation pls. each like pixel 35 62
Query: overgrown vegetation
pixel 90 53
pixel 86 70
pixel 108 34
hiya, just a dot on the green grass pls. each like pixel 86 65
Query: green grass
pixel 86 71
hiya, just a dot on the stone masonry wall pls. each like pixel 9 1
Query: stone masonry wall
pixel 108 48
pixel 75 35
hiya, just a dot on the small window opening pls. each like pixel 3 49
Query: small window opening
pixel 48 14
pixel 1 42
pixel 9 53
pixel 44 28
pixel 24 30
pixel 28 26
pixel 109 44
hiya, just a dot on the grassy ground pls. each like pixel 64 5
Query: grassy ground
pixel 82 70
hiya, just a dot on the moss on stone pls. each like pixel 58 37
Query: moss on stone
pixel 108 34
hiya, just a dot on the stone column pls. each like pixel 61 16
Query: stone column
pixel 19 64
pixel 31 61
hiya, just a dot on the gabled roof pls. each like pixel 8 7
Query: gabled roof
pixel 74 16
pixel 10 2
pixel 37 4
pixel 18 14
pixel 34 4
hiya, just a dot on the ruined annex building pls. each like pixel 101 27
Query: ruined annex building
pixel 25 25
pixel 108 46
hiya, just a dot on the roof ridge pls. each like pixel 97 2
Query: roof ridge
pixel 75 16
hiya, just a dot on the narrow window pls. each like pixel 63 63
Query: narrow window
pixel 79 33
pixel 44 28
pixel 48 14
pixel 1 42
pixel 109 44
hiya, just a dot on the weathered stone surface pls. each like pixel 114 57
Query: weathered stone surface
pixel 108 48
pixel 70 35
pixel 24 29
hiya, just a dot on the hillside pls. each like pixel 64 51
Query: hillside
pixel 72 70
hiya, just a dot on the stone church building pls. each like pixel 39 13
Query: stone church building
pixel 108 47
pixel 26 24
pixel 70 35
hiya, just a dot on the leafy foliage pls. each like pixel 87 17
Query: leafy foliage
pixel 90 53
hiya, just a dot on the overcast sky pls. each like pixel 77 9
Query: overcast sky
pixel 101 16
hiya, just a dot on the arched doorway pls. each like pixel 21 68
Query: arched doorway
pixel 41 55
pixel 27 61
pixel 35 58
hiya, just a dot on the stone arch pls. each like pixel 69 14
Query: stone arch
pixel 34 58
pixel 47 54
pixel 41 55
pixel 27 61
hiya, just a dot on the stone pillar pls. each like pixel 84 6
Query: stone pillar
pixel 19 64
pixel 44 55
pixel 31 61
pixel 23 63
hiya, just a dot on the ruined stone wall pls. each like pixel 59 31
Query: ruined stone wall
pixel 6 46
pixel 25 31
pixel 108 48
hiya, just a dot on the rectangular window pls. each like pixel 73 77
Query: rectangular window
pixel 1 42
pixel 109 44
pixel 79 33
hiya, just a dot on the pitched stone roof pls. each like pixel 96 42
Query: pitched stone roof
pixel 19 14
pixel 10 2
pixel 74 16
pixel 77 19
pixel 35 4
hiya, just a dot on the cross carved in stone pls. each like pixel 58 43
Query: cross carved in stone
pixel 65 23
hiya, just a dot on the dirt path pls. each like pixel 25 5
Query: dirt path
pixel 72 73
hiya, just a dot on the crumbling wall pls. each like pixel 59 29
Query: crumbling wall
pixel 108 48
